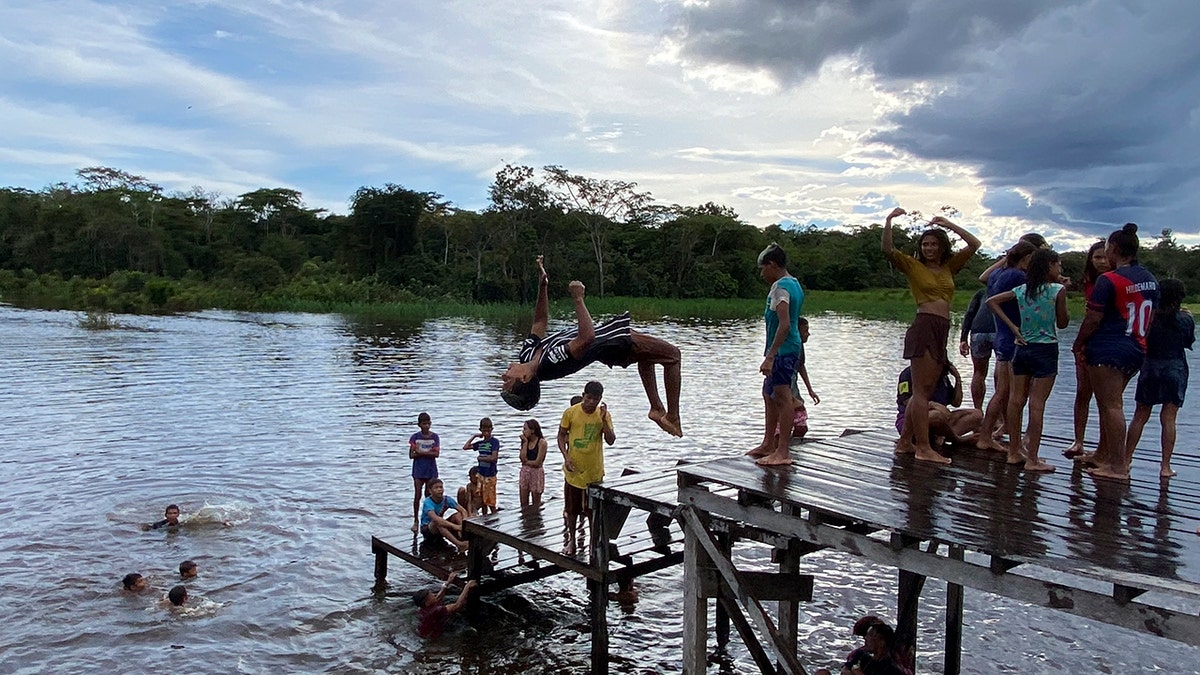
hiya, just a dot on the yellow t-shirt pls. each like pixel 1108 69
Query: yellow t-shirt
pixel 925 284
pixel 585 445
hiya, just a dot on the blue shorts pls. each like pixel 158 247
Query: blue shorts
pixel 783 369
pixel 1162 381
pixel 981 345
pixel 1005 347
pixel 424 468
pixel 1036 360
pixel 1122 354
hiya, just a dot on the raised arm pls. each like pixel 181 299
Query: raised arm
pixel 887 231
pixel 587 330
pixel 960 259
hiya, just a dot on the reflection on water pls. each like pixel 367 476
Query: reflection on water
pixel 293 429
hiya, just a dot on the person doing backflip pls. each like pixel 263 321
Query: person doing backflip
pixel 613 343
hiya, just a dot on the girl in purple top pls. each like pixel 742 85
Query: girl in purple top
pixel 424 448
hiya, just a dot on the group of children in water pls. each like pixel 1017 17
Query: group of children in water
pixel 188 569
pixel 1134 325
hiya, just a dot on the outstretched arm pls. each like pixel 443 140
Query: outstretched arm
pixel 587 330
pixel 461 602
pixel 887 230
pixel 541 310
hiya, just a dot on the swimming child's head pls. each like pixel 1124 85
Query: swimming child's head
pixel 187 569
pixel 422 597
pixel 134 582
pixel 171 514
pixel 177 595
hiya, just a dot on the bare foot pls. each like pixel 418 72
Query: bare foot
pixel 904 446
pixel 985 442
pixel 775 459
pixel 1106 473
pixel 1039 466
pixel 660 418
pixel 569 550
pixel 1166 471
pixel 761 451
pixel 928 455
pixel 462 546
pixel 1074 450
pixel 1017 458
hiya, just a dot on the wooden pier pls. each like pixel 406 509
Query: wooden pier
pixel 1063 540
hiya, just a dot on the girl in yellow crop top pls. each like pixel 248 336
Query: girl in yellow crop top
pixel 931 278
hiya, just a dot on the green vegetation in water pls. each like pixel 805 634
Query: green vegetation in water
pixel 99 320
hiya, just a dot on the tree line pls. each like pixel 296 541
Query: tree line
pixel 126 234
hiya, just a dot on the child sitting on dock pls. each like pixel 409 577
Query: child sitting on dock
pixel 488 450
pixel 945 425
pixel 423 448
pixel 433 613
pixel 441 516
pixel 470 496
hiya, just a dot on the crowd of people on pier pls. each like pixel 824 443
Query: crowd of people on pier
pixel 1134 325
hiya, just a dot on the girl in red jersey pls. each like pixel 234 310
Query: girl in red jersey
pixel 1112 341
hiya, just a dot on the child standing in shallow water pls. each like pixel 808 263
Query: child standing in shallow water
pixel 1163 379
pixel 424 448
pixel 1043 306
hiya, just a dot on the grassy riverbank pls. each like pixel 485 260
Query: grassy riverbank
pixel 135 293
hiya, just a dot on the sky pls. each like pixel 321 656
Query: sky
pixel 1067 118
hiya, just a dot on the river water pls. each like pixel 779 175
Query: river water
pixel 283 439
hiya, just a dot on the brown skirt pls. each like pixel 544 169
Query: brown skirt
pixel 927 334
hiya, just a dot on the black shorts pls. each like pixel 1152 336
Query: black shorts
pixel 927 334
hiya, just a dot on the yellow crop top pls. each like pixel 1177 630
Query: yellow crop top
pixel 925 284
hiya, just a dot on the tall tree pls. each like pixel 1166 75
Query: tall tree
pixel 594 205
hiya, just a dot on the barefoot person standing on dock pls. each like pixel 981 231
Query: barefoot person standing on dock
pixel 931 280
pixel 613 343
pixel 785 300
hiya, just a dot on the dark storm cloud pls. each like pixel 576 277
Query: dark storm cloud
pixel 1091 108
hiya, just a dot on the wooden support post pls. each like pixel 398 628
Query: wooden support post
pixel 788 664
pixel 695 607
pixel 381 567
pixel 789 610
pixel 952 664
pixel 908 597
pixel 598 587
pixel 722 620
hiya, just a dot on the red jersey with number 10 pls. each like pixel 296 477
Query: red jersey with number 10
pixel 1127 296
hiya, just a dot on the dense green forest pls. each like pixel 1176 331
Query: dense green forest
pixel 117 242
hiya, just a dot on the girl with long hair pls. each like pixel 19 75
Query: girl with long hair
pixel 1163 379
pixel 1112 341
pixel 1095 265
pixel 533 455
pixel 931 279
pixel 1042 303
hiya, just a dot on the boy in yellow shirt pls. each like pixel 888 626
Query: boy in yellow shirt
pixel 579 435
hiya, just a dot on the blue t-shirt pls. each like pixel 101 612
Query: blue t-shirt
pixel 1170 335
pixel 785 289
pixel 1000 281
pixel 1127 296
pixel 487 448
pixel 439 508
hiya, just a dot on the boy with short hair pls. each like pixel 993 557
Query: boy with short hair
pixel 134 582
pixel 441 515
pixel 188 569
pixel 170 518
pixel 433 614
pixel 579 440
pixel 178 595
pixel 488 450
